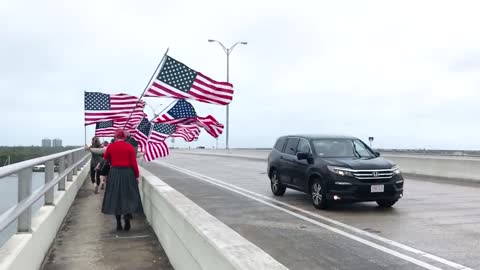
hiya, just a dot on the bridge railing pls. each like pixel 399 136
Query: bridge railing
pixel 69 162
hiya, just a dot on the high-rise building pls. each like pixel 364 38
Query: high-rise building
pixel 57 142
pixel 46 143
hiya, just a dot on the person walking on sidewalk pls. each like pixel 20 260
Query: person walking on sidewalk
pixel 122 196
pixel 95 160
pixel 103 168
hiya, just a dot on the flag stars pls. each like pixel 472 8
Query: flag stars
pixel 177 75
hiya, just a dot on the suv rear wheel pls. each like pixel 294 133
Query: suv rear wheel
pixel 386 203
pixel 318 194
pixel 277 188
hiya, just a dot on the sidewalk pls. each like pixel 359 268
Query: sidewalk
pixel 89 240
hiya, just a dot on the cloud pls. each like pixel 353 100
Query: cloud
pixel 405 73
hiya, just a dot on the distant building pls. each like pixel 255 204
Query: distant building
pixel 46 143
pixel 57 142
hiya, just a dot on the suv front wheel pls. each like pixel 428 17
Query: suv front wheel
pixel 277 188
pixel 318 194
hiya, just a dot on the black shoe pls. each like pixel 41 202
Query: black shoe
pixel 119 222
pixel 127 224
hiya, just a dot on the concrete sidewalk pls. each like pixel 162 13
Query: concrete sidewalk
pixel 88 240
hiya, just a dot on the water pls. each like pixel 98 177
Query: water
pixel 8 199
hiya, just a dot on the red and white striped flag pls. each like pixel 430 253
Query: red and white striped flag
pixel 107 128
pixel 176 80
pixel 160 132
pixel 100 107
pixel 182 112
pixel 189 133
pixel 152 149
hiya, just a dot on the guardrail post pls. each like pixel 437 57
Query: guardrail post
pixel 70 173
pixel 79 157
pixel 49 170
pixel 86 160
pixel 61 169
pixel 74 160
pixel 24 191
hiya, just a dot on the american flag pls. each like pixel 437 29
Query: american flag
pixel 182 112
pixel 161 132
pixel 107 128
pixel 176 80
pixel 152 149
pixel 189 133
pixel 100 107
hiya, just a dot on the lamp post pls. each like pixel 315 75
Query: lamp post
pixel 227 52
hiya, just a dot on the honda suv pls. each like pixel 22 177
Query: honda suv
pixel 333 168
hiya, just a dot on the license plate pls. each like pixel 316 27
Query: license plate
pixel 377 188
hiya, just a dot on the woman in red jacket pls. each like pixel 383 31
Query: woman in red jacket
pixel 122 196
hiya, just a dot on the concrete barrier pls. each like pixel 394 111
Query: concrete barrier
pixel 456 168
pixel 28 250
pixel 194 239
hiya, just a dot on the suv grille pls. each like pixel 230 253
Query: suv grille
pixel 376 176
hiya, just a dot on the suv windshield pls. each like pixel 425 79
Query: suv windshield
pixel 338 148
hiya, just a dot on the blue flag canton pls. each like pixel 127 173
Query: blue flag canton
pixel 144 127
pixel 164 128
pixel 106 124
pixel 182 109
pixel 97 101
pixel 177 75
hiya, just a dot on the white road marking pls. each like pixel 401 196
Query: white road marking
pixel 255 196
pixel 356 230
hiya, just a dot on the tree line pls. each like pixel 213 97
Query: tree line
pixel 21 153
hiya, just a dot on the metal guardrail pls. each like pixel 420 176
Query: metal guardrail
pixel 70 162
pixel 426 152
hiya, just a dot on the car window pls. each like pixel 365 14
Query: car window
pixel 291 148
pixel 361 150
pixel 341 148
pixel 280 144
pixel 303 146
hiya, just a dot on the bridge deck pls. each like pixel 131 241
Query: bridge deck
pixel 89 240
pixel 433 217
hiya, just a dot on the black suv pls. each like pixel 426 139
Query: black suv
pixel 333 168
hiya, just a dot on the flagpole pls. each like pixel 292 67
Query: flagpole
pixel 160 65
pixel 84 124
pixel 155 115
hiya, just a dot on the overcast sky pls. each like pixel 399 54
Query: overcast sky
pixel 405 72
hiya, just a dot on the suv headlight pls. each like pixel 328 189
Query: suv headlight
pixel 340 171
pixel 396 169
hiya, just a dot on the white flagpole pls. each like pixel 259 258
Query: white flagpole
pixel 84 124
pixel 155 115
pixel 159 67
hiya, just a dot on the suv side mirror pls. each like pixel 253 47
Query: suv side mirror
pixel 301 156
pixel 377 154
pixel 307 156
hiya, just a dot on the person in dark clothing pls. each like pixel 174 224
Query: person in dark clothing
pixel 122 196
pixel 96 158
pixel 103 169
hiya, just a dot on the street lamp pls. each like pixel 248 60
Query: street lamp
pixel 227 52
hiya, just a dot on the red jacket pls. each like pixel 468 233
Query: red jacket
pixel 122 154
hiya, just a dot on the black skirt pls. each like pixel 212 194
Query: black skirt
pixel 122 195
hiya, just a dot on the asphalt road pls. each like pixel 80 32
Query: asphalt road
pixel 435 225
